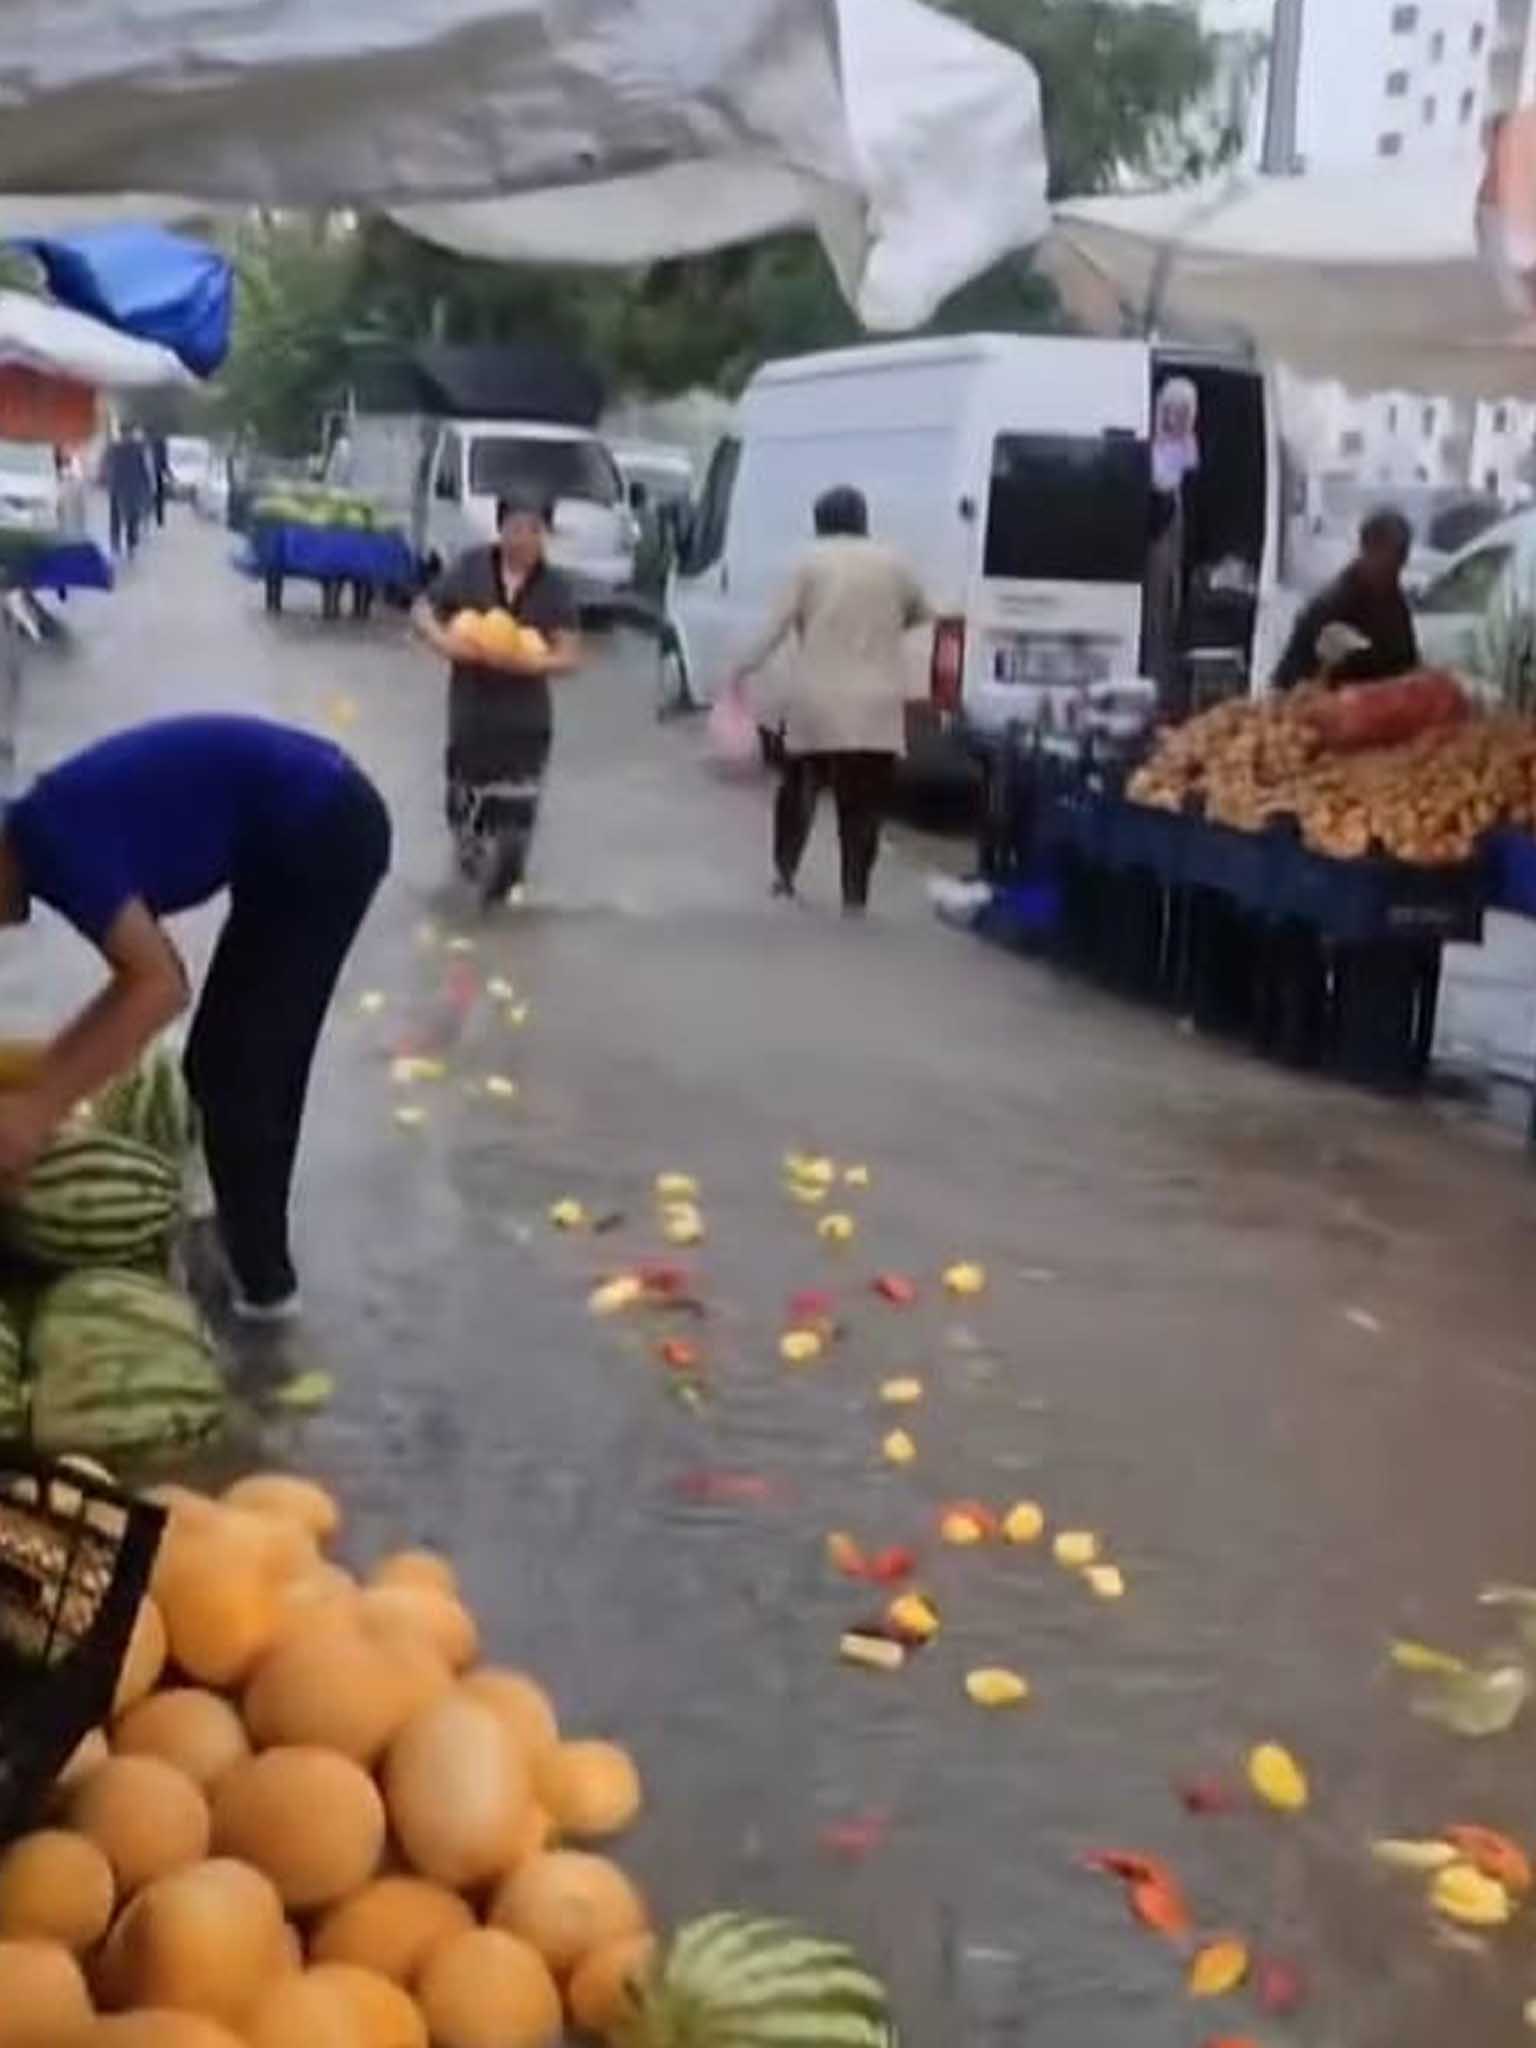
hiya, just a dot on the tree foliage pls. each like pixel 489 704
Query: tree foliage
pixel 1120 84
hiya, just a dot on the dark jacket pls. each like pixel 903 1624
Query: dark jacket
pixel 1350 600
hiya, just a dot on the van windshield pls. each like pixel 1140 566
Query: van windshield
pixel 1068 508
pixel 550 469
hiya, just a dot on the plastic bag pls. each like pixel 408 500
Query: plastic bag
pixel 733 741
pixel 1387 714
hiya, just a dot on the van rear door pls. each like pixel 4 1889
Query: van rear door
pixel 1063 509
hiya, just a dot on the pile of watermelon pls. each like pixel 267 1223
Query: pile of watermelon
pixel 100 1350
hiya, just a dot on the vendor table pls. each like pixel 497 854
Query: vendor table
pixel 331 556
pixel 56 565
pixel 1318 962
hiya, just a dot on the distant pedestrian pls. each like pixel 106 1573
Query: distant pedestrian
pixel 159 474
pixel 848 608
pixel 500 710
pixel 129 489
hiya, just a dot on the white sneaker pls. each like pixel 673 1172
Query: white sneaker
pixel 268 1314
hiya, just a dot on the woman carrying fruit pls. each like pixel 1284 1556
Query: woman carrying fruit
pixel 507 622
pixel 158 820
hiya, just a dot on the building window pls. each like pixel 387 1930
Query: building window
pixel 1501 419
pixel 1352 442
pixel 1491 482
pixel 1397 85
pixel 1392 419
pixel 1429 110
pixel 1437 46
pixel 1390 144
pixel 1429 422
pixel 1468 105
pixel 1404 20
pixel 1478 37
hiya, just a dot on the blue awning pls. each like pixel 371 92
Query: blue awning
pixel 145 282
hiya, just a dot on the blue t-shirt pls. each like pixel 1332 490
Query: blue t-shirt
pixel 168 814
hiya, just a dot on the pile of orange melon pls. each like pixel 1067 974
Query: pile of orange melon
pixel 317 1816
pixel 495 636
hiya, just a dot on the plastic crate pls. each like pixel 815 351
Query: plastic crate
pixel 75 1559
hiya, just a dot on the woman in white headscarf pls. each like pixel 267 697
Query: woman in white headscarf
pixel 1175 458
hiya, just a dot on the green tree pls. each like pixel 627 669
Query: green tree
pixel 297 306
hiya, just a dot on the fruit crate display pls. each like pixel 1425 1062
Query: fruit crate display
pixel 75 1560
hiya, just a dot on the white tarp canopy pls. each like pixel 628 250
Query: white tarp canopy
pixel 583 130
pixel 1373 277
pixel 42 336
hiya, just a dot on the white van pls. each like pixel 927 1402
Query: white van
pixel 1014 472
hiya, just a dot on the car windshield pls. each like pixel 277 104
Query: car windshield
pixel 1068 508
pixel 27 458
pixel 551 470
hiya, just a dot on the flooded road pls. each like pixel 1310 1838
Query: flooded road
pixel 1270 1339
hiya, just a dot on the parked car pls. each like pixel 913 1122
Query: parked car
pixel 188 460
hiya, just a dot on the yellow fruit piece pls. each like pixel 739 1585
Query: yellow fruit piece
pixel 1105 1581
pixel 837 1228
pixel 965 1279
pixel 518 1014
pixel 1024 1523
pixel 568 1214
pixel 1422 1857
pixel 460 944
pixel 843 1553
pixel 856 1176
pixel 410 1116
pixel 1464 1895
pixel 914 1615
pixel 899 1448
pixel 901 1393
pixel 800 1347
pixel 682 1223
pixel 995 1687
pixel 614 1296
pixel 1424 1661
pixel 962 1530
pixel 1218 1968
pixel 1076 1549
pixel 502 1086
pixel 676 1187
pixel 818 1172
pixel 1277 1778
pixel 805 1193
pixel 371 1001
pixel 500 990
pixel 874 1653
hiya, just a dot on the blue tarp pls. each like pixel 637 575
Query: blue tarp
pixel 330 554
pixel 145 282
pixel 71 565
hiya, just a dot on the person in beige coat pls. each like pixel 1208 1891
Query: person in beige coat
pixel 848 606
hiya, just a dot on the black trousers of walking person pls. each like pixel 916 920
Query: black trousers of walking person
pixel 861 787
pixel 291 924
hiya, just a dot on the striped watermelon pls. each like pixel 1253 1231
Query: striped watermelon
pixel 13 1392
pixel 733 1982
pixel 152 1104
pixel 121 1362
pixel 94 1200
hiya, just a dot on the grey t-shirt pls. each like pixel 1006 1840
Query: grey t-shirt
pixel 487 704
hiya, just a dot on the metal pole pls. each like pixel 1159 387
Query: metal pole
pixel 1280 153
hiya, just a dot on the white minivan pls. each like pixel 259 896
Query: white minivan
pixel 1014 472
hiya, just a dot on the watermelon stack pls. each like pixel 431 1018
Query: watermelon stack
pixel 13 1391
pixel 94 1200
pixel 151 1104
pixel 121 1362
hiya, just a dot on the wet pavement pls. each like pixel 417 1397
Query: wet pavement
pixel 1271 1338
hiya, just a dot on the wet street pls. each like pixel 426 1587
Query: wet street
pixel 1271 1339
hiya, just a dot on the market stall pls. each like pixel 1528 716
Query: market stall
pixel 328 538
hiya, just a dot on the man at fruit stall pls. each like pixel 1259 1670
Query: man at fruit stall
pixel 1358 630
pixel 500 711
pixel 158 820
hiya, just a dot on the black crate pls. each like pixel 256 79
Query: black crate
pixel 75 1559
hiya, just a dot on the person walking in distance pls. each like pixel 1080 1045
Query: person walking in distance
pixel 157 820
pixel 128 490
pixel 500 710
pixel 848 607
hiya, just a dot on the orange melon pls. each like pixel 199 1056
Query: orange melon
pixel 427 1570
pixel 56 1886
pixel 310 1820
pixel 464 631
pixel 567 1904
pixel 590 1789
pixel 458 1792
pixel 380 2011
pixel 160 2028
pixel 521 1702
pixel 288 1499
pixel 89 1754
pixel 43 1999
pixel 143 1660
pixel 392 1926
pixel 206 1940
pixel 197 1732
pixel 535 1836
pixel 220 1599
pixel 146 1817
pixel 286 1547
pixel 437 1618
pixel 337 1687
pixel 298 2009
pixel 486 1989
pixel 601 1990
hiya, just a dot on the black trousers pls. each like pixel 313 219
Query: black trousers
pixel 290 927
pixel 861 786
pixel 124 520
pixel 492 803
